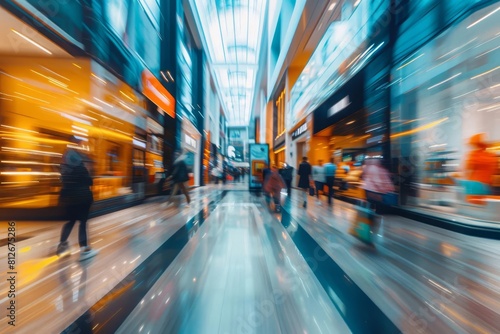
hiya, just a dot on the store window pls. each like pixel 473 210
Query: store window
pixel 280 114
pixel 446 118
pixel 279 158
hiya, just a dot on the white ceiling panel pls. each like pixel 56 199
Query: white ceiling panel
pixel 232 30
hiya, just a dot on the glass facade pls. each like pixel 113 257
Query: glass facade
pixel 137 24
pixel 340 54
pixel 90 111
pixel 445 94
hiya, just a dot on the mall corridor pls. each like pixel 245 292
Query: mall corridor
pixel 228 264
pixel 250 166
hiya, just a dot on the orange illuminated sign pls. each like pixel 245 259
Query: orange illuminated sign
pixel 154 90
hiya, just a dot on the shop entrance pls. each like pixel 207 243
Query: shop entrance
pixel 301 152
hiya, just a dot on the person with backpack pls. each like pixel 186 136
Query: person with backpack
pixel 76 199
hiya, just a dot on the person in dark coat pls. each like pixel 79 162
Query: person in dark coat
pixel 304 174
pixel 76 199
pixel 287 175
pixel 179 176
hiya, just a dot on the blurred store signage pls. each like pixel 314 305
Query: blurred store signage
pixel 376 139
pixel 235 153
pixel 154 90
pixel 298 132
pixel 259 159
pixel 190 141
pixel 339 106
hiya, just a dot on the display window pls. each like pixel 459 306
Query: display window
pixel 50 107
pixel 279 158
pixel 192 149
pixel 445 121
pixel 348 143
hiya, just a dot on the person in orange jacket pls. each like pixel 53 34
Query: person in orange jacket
pixel 481 165
pixel 273 185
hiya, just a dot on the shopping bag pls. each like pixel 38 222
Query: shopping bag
pixel 364 223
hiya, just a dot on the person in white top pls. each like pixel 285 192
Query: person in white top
pixel 319 177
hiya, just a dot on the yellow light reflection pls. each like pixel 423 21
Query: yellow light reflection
pixel 31 173
pixel 35 152
pixel 16 128
pixel 100 79
pixel 19 162
pixel 457 316
pixel 128 97
pixel 31 41
pixel 34 139
pixel 420 128
pixel 29 271
pixel 25 249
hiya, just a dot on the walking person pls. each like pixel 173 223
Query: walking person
pixel 287 175
pixel 318 175
pixel 304 175
pixel 76 199
pixel 179 176
pixel 266 171
pixel 273 185
pixel 330 169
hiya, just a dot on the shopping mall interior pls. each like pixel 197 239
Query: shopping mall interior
pixel 250 166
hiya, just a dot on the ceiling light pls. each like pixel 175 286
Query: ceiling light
pixel 32 42
pixel 357 3
pixel 483 18
pixel 98 78
pixel 349 123
pixel 126 106
pixel 332 6
pixel 128 97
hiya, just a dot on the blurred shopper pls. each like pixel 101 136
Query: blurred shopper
pixel 318 175
pixel 378 186
pixel 243 174
pixel 237 175
pixel 179 176
pixel 224 171
pixel 265 173
pixel 377 178
pixel 330 169
pixel 304 175
pixel 76 199
pixel 273 185
pixel 481 165
pixel 215 175
pixel 287 175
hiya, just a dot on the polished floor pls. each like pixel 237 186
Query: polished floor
pixel 228 264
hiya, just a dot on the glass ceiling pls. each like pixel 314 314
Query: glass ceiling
pixel 232 30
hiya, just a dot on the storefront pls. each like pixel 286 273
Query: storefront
pixel 445 94
pixel 299 140
pixel 50 106
pixel 345 130
pixel 191 146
